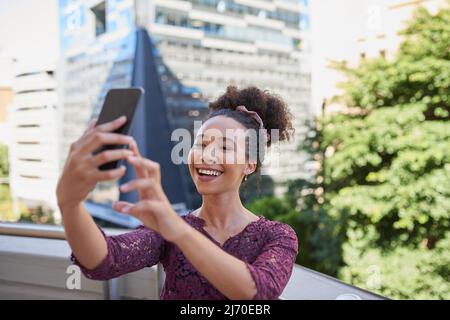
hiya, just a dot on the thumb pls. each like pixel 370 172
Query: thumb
pixel 122 206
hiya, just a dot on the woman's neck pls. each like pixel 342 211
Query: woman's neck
pixel 223 210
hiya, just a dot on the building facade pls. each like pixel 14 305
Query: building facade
pixel 33 152
pixel 198 48
pixel 102 49
pixel 210 44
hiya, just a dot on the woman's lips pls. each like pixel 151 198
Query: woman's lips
pixel 206 178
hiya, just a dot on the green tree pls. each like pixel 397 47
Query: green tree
pixel 300 207
pixel 5 196
pixel 387 173
pixel 4 164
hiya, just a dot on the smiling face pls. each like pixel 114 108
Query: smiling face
pixel 217 160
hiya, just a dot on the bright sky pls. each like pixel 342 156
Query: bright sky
pixel 29 31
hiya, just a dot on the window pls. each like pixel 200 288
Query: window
pixel 305 23
pixel 100 18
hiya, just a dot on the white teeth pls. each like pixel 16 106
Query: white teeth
pixel 209 172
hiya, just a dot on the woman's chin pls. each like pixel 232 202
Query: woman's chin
pixel 206 189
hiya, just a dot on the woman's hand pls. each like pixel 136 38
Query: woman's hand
pixel 153 209
pixel 81 173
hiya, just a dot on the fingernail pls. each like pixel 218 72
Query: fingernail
pixel 124 187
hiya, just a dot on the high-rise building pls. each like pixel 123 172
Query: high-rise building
pixel 210 44
pixel 33 153
pixel 195 50
pixel 103 49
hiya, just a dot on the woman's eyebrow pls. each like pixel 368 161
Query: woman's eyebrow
pixel 224 139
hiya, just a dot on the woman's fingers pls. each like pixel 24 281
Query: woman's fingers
pixel 113 125
pixel 135 149
pixel 121 206
pixel 144 211
pixel 91 126
pixel 144 167
pixel 109 174
pixel 140 171
pixel 149 167
pixel 110 155
pixel 98 139
pixel 137 184
pixel 140 208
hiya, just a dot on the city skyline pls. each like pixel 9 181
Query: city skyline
pixel 224 42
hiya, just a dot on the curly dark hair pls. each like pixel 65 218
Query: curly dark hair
pixel 271 108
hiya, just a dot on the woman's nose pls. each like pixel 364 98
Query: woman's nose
pixel 209 156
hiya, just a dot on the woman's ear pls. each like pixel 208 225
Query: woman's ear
pixel 249 168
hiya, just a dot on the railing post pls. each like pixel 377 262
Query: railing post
pixel 111 289
pixel 160 277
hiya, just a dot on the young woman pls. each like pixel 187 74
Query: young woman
pixel 219 251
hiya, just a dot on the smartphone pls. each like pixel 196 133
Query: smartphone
pixel 118 102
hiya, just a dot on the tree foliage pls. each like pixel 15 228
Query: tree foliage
pixel 381 214
pixel 387 174
pixel 4 164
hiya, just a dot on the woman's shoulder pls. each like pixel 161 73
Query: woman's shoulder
pixel 276 234
pixel 192 219
pixel 276 229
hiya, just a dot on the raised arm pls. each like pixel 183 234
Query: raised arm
pixel 79 177
pixel 126 253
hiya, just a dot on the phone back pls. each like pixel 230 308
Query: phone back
pixel 118 102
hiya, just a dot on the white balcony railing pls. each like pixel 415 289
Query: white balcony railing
pixel 34 261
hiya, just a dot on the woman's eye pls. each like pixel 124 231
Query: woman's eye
pixel 227 148
pixel 199 144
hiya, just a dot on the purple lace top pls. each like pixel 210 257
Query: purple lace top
pixel 268 248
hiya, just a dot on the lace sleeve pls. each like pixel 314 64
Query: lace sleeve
pixel 127 252
pixel 273 267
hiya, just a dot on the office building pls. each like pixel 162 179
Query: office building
pixel 33 152
pixel 198 48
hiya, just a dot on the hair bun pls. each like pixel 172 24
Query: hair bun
pixel 271 108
